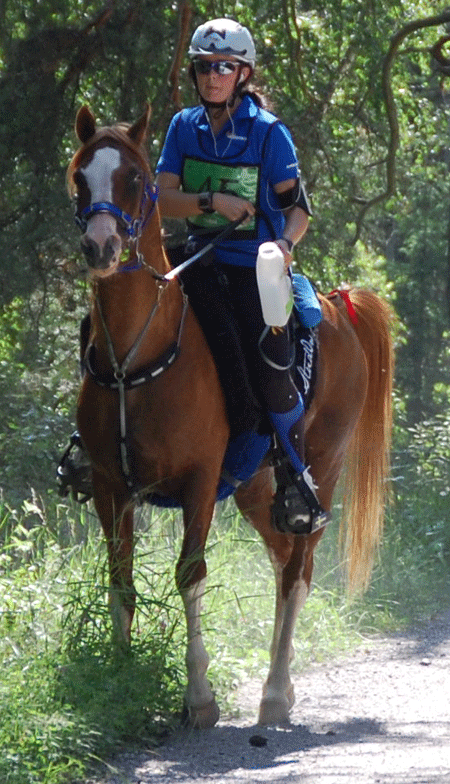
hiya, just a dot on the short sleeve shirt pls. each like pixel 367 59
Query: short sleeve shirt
pixel 252 153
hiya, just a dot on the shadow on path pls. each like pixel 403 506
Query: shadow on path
pixel 230 749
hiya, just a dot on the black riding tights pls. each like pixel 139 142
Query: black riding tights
pixel 270 374
pixel 273 385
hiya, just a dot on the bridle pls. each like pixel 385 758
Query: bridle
pixel 132 226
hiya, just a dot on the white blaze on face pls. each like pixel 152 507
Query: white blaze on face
pixel 99 178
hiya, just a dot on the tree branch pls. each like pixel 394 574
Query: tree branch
pixel 391 111
pixel 174 75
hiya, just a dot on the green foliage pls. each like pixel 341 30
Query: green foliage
pixel 423 488
pixel 12 328
pixel 38 382
pixel 67 699
pixel 320 66
pixel 70 702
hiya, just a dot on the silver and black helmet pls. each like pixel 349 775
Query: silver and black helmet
pixel 224 37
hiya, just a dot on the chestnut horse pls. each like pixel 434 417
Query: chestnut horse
pixel 151 411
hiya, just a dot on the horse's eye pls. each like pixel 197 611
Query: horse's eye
pixel 133 182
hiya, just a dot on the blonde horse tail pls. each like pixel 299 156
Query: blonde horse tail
pixel 368 458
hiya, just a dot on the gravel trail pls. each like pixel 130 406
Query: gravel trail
pixel 379 716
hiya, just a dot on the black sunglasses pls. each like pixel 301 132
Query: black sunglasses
pixel 221 67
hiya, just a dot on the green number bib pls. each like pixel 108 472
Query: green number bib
pixel 200 176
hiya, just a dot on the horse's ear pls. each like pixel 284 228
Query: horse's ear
pixel 84 124
pixel 138 131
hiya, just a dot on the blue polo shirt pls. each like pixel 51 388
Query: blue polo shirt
pixel 252 153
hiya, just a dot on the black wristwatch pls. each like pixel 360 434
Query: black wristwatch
pixel 205 202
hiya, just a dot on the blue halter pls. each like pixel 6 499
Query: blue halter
pixel 132 226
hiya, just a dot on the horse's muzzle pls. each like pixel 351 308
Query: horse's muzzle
pixel 104 256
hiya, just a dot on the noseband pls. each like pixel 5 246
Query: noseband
pixel 132 226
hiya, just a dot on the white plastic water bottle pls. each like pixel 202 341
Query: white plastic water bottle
pixel 275 288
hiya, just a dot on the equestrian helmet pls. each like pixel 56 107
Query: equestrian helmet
pixel 224 37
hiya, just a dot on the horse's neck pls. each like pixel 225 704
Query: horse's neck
pixel 151 246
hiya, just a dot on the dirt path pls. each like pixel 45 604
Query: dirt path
pixel 381 716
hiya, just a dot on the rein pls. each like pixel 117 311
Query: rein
pixel 203 251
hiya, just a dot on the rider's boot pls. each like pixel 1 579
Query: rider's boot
pixel 296 508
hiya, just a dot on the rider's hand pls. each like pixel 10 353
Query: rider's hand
pixel 287 254
pixel 232 207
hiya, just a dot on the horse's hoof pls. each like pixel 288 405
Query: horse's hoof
pixel 201 718
pixel 274 711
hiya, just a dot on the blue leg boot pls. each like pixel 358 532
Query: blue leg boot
pixel 296 508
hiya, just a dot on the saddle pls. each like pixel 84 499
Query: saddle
pixel 207 289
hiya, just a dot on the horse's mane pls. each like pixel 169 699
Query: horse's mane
pixel 118 133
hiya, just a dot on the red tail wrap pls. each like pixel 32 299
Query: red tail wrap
pixel 345 296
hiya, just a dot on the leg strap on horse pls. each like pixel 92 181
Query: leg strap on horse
pixel 296 508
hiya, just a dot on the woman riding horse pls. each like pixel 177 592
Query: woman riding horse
pixel 151 412
pixel 221 159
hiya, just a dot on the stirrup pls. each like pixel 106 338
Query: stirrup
pixel 74 472
pixel 296 508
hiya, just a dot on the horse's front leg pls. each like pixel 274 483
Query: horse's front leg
pixel 200 706
pixel 116 516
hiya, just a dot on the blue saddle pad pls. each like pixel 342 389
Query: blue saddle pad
pixel 306 303
pixel 242 458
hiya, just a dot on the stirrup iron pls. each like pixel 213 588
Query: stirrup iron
pixel 74 472
pixel 296 508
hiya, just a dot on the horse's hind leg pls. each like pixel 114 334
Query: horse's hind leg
pixel 116 517
pixel 293 584
pixel 292 559
pixel 200 706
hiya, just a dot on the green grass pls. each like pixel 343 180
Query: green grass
pixel 68 703
pixel 67 700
